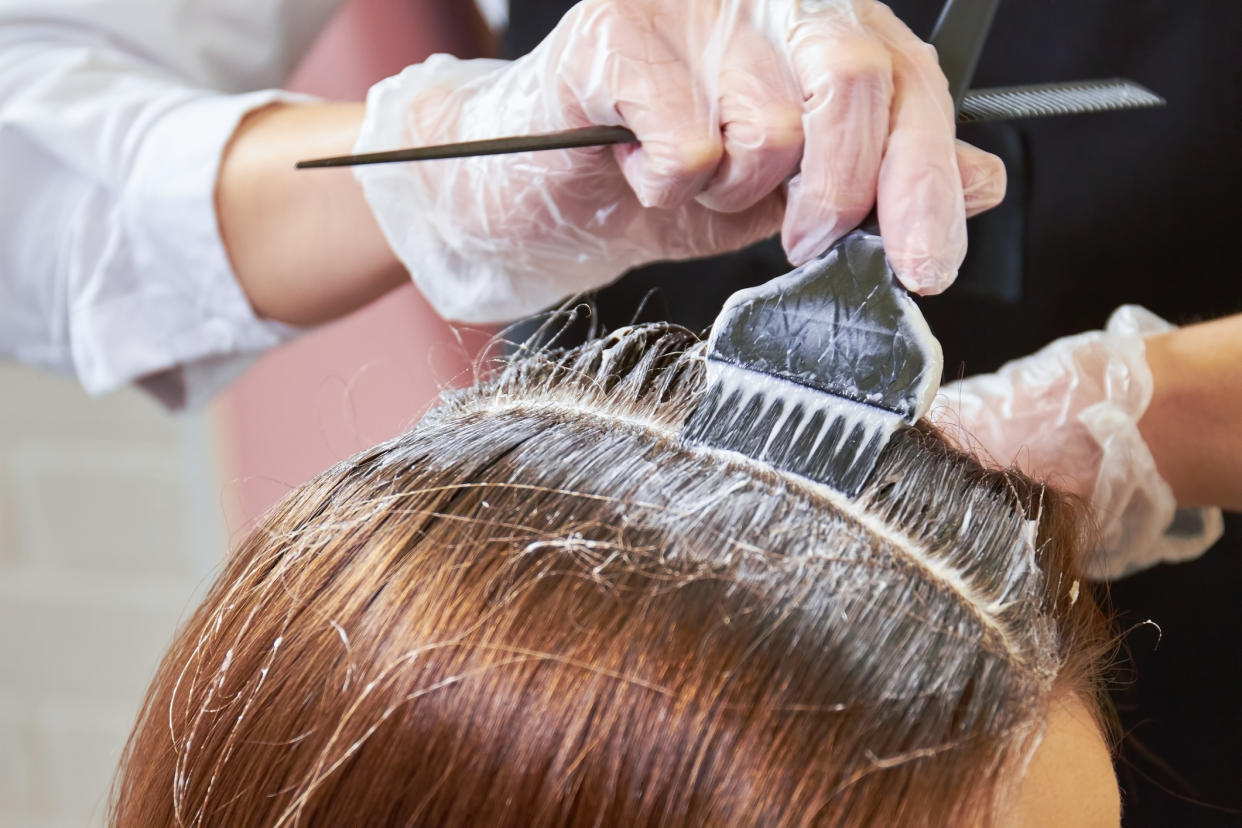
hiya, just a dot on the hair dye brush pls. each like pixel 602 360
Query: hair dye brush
pixel 815 370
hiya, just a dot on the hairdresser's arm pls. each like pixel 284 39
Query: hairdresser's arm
pixel 114 122
pixel 1138 418
pixel 1193 425
pixel 851 101
pixel 304 244
pixel 112 126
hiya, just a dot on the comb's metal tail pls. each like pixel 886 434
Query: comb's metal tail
pixel 1039 100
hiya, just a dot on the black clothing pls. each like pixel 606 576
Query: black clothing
pixel 1106 209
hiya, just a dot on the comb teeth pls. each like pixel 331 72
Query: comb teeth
pixel 826 438
pixel 1055 99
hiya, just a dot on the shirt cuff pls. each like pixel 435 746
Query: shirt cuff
pixel 165 307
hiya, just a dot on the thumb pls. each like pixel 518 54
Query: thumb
pixel 983 178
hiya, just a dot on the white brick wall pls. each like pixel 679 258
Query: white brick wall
pixel 110 523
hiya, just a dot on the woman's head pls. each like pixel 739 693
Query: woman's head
pixel 539 607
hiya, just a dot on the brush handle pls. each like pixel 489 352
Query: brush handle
pixel 959 36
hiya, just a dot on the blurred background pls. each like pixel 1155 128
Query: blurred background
pixel 114 515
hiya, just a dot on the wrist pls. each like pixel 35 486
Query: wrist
pixel 1192 423
pixel 303 245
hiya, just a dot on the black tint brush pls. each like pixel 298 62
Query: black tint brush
pixel 814 371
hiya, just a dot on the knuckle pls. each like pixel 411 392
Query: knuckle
pixel 853 66
pixel 622 20
pixel 688 158
pixel 925 56
pixel 762 130
pixel 606 25
pixel 780 126
pixel 861 63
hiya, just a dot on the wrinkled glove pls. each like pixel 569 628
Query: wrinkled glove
pixel 754 116
pixel 1069 415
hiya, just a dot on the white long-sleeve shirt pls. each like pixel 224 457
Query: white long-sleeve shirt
pixel 113 118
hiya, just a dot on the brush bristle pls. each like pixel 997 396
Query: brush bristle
pixel 826 438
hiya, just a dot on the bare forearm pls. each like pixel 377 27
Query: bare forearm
pixel 304 245
pixel 1194 423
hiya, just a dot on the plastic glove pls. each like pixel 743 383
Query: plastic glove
pixel 1069 414
pixel 754 116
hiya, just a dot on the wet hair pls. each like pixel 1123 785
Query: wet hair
pixel 539 607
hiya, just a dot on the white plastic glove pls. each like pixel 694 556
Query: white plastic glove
pixel 1069 414
pixel 728 97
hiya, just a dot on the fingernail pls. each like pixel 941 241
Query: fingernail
pixel 641 182
pixel 812 244
pixel 926 276
pixel 985 189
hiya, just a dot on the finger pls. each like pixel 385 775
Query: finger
pixel 702 231
pixel 635 74
pixel 760 113
pixel 920 200
pixel 983 178
pixel 847 84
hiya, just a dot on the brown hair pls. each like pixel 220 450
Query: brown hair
pixel 538 607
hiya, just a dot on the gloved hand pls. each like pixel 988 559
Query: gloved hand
pixel 1069 414
pixel 729 99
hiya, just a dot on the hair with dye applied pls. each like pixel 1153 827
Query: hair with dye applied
pixel 539 607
